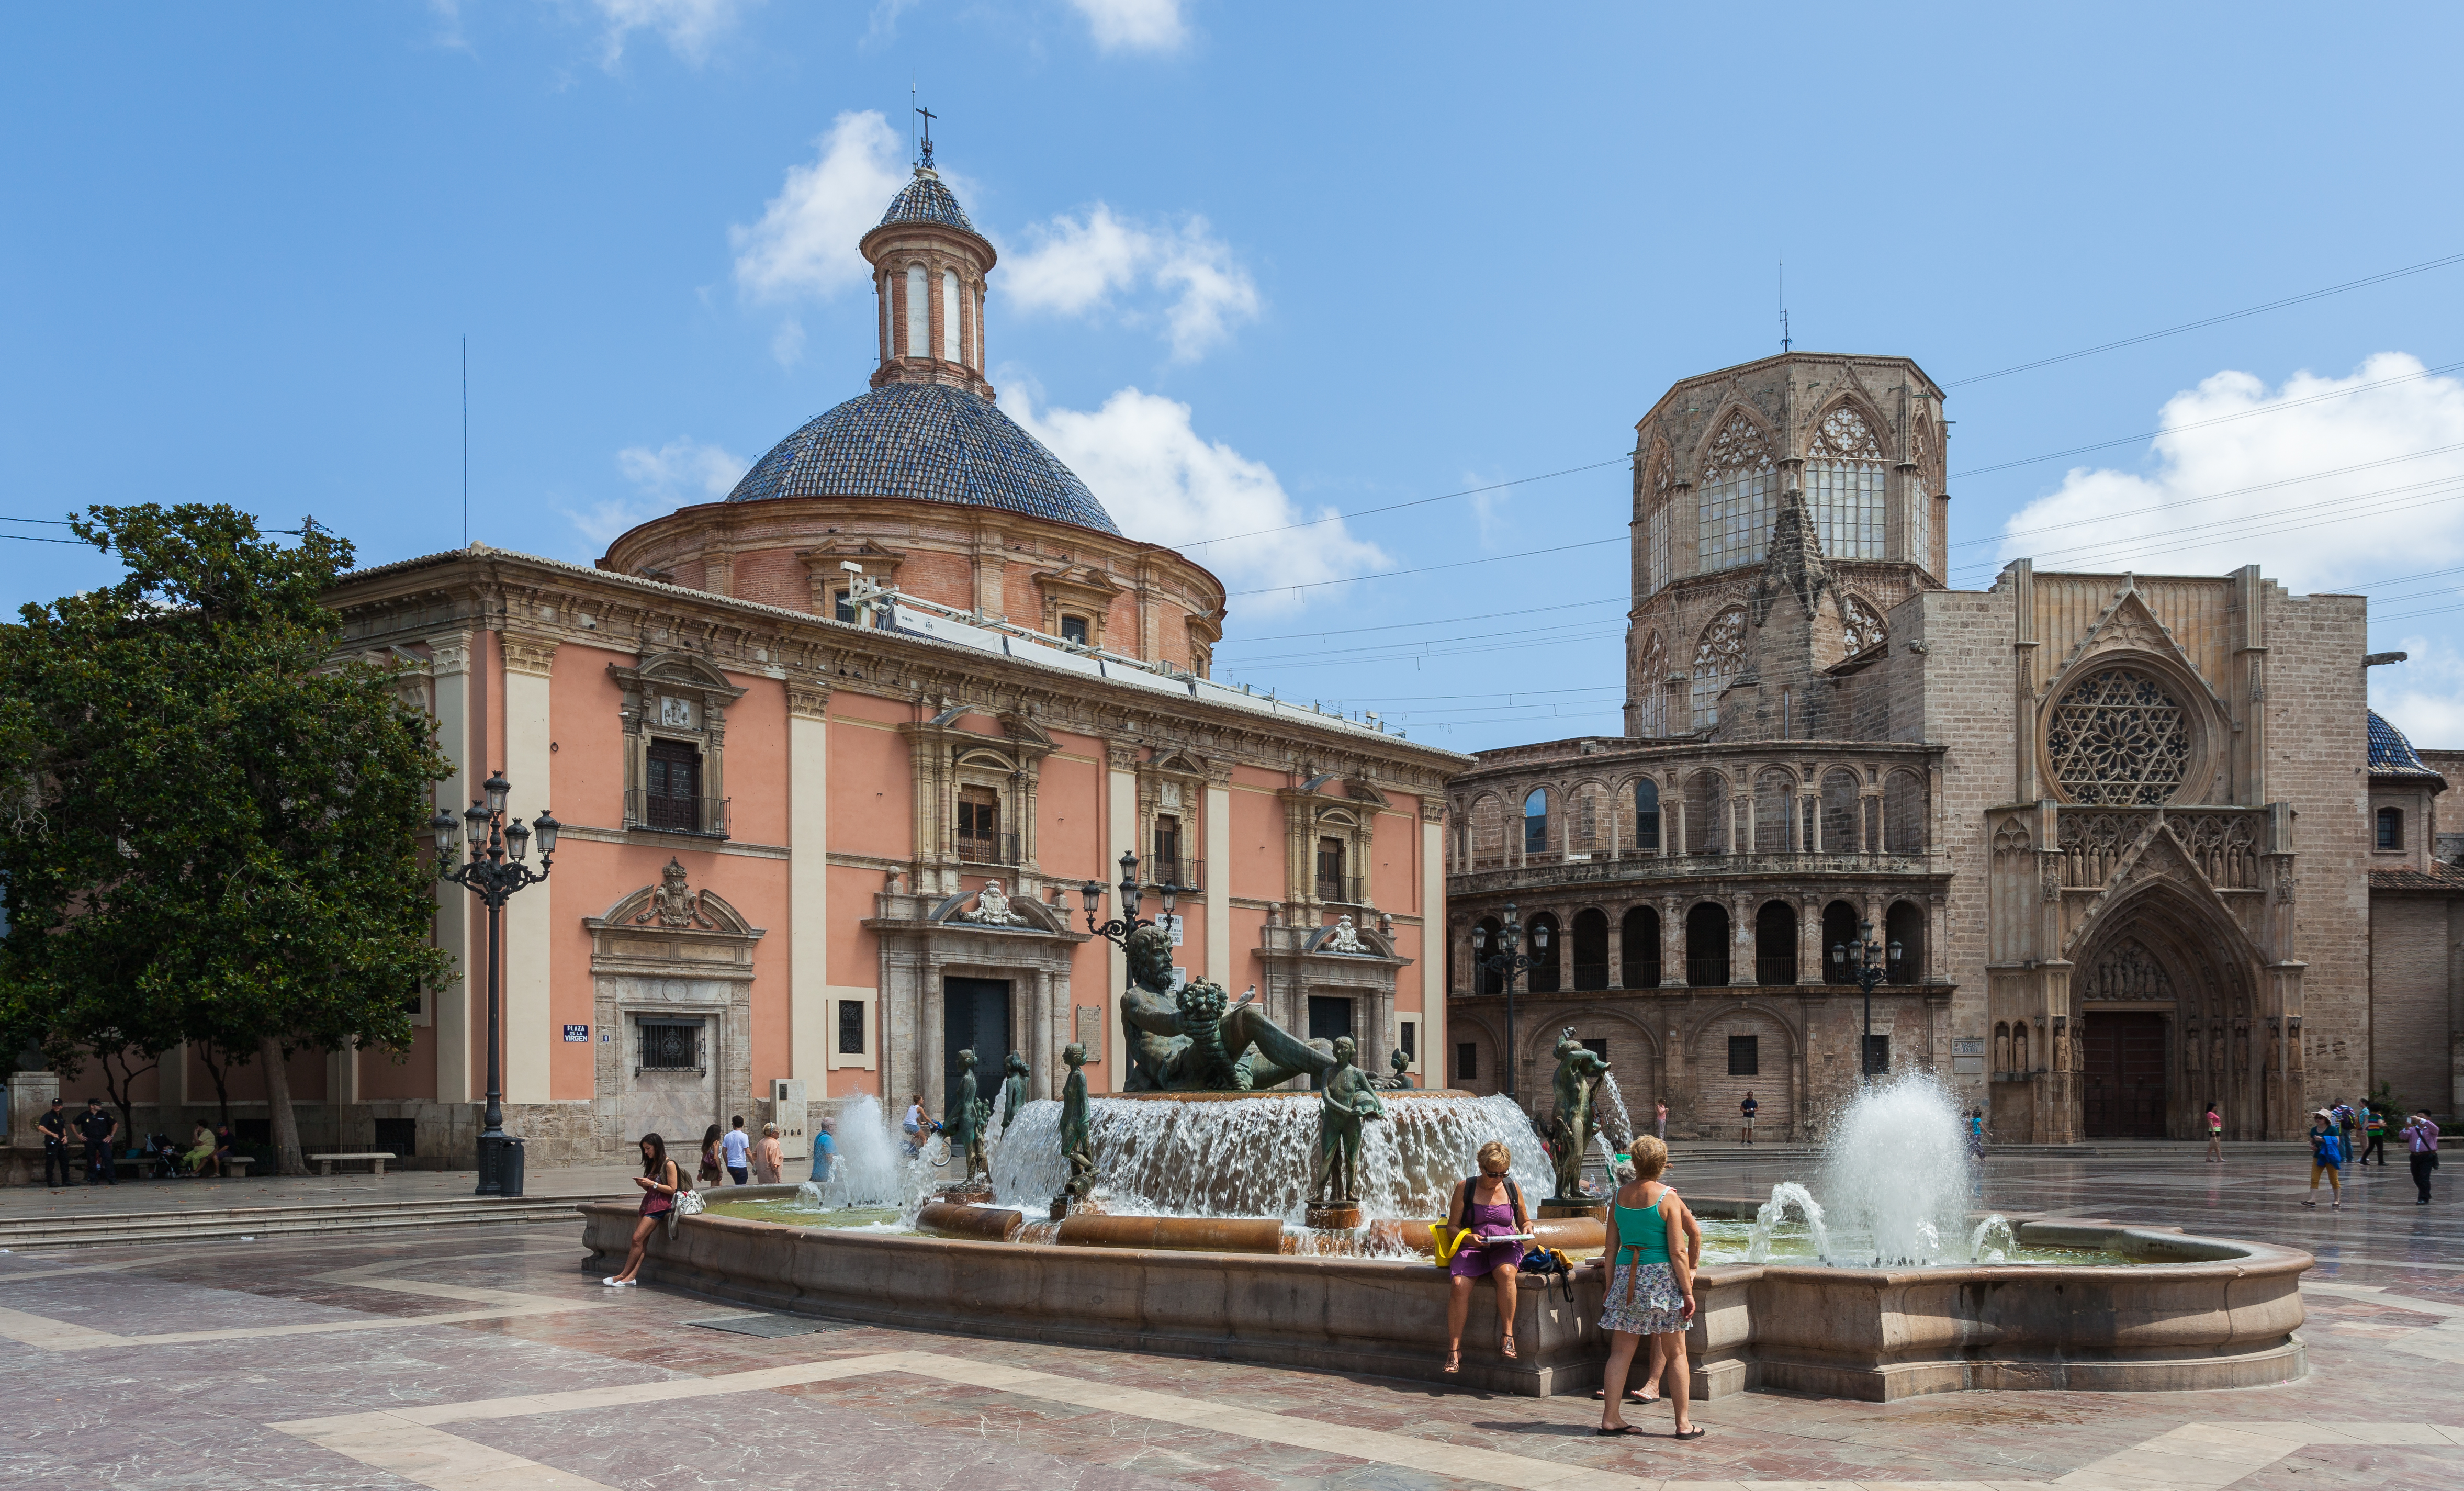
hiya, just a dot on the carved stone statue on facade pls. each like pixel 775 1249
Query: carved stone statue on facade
pixel 1190 1041
pixel 673 905
pixel 1579 1069
pixel 1345 939
pixel 1399 1060
pixel 1348 1098
pixel 1013 1089
pixel 964 1120
pixel 1077 1129
pixel 991 908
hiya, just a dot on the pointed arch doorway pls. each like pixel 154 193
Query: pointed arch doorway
pixel 2167 1023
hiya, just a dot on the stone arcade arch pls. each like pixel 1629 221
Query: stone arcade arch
pixel 2169 1016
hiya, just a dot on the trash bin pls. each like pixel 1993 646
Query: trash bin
pixel 500 1165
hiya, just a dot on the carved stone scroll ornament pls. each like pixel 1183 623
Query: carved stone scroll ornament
pixel 673 905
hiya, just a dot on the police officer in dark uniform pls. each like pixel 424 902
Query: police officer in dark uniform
pixel 54 1129
pixel 99 1128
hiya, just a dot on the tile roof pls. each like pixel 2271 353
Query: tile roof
pixel 925 441
pixel 2391 754
pixel 2438 877
pixel 925 200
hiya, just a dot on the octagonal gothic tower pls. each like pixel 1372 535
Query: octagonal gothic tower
pixel 1781 509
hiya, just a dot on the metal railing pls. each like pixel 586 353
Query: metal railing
pixel 1187 874
pixel 1781 969
pixel 1706 973
pixel 1340 889
pixel 997 849
pixel 703 816
pixel 1591 975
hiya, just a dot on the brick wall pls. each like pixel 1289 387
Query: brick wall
pixel 2318 745
pixel 2410 940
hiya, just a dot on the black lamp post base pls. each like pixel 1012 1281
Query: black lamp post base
pixel 500 1166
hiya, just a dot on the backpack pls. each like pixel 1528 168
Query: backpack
pixel 1513 1196
pixel 1546 1263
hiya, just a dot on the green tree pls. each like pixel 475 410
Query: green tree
pixel 210 824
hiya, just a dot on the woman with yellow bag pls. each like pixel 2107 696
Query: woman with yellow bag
pixel 1484 1234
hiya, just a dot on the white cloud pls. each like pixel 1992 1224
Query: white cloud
pixel 881 29
pixel 1077 265
pixel 805 243
pixel 687 25
pixel 2403 517
pixel 1164 483
pixel 787 342
pixel 2424 697
pixel 1134 25
pixel 675 474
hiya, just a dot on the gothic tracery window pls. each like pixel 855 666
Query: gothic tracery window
pixel 1845 482
pixel 2118 738
pixel 1735 515
pixel 1651 691
pixel 1865 626
pixel 1717 659
pixel 1661 490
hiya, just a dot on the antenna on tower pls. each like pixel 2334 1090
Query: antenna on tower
pixel 929 117
pixel 1784 342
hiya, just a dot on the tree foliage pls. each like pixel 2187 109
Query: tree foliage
pixel 209 828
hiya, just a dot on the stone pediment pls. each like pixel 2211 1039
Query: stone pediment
pixel 2128 625
pixel 673 905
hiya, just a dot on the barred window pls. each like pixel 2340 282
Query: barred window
pixel 1845 484
pixel 851 1027
pixel 1745 1056
pixel 1737 494
pixel 670 1045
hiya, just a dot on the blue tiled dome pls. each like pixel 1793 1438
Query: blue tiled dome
pixel 925 200
pixel 925 441
pixel 2391 753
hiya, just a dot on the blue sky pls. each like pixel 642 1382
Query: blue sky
pixel 1260 263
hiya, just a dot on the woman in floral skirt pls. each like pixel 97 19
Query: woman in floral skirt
pixel 1651 1287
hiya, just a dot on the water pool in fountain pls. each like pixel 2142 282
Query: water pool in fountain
pixel 800 1211
pixel 1735 1243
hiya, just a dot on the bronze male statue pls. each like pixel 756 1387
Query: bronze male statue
pixel 1193 1043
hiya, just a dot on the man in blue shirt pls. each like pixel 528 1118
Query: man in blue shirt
pixel 735 1147
pixel 825 1151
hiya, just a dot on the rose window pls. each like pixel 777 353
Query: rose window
pixel 2118 739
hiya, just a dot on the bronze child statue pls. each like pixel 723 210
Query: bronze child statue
pixel 965 1119
pixel 1013 1089
pixel 1076 1126
pixel 1348 1098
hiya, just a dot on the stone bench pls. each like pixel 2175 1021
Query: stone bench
pixel 325 1163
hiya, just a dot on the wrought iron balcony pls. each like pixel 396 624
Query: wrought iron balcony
pixel 706 817
pixel 1186 874
pixel 995 849
pixel 1341 890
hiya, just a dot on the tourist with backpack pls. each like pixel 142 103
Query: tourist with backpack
pixel 2327 1156
pixel 2374 1123
pixel 2420 1137
pixel 1490 1225
pixel 1650 1290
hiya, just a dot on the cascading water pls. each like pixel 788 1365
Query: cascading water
pixel 1253 1154
pixel 1896 1169
pixel 869 1171
pixel 1990 1227
pixel 1771 1213
pixel 1619 1129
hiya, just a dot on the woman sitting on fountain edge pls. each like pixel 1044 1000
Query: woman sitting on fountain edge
pixel 1651 1287
pixel 1486 1205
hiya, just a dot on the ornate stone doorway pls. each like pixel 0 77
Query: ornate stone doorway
pixel 2122 1075
pixel 2169 1019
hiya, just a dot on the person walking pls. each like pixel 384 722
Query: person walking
pixel 708 1173
pixel 2215 1135
pixel 1746 1110
pixel 1484 1206
pixel 1650 1290
pixel 1976 1133
pixel 825 1151
pixel 2374 1122
pixel 54 1127
pixel 2327 1155
pixel 737 1151
pixel 2421 1139
pixel 1659 1120
pixel 99 1128
pixel 660 1180
pixel 766 1155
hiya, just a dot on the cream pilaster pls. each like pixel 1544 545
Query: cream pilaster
pixel 530 921
pixel 811 1031
pixel 449 668
pixel 1435 936
pixel 1217 828
pixel 1120 837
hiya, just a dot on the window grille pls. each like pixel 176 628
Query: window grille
pixel 979 825
pixel 949 315
pixel 1466 1060
pixel 851 1027
pixel 2391 828
pixel 1073 629
pixel 673 793
pixel 1921 525
pixel 1745 1056
pixel 670 1045
pixel 1646 815
pixel 1332 884
pixel 1735 504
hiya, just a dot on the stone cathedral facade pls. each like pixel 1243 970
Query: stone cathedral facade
pixel 2114 832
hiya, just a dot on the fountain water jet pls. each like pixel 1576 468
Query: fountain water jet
pixel 1766 1220
pixel 1896 1169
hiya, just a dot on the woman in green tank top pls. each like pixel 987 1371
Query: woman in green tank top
pixel 1651 1287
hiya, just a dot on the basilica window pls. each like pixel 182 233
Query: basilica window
pixel 2391 828
pixel 1864 627
pixel 979 825
pixel 1921 525
pixel 2116 738
pixel 919 313
pixel 1651 691
pixel 950 317
pixel 1717 658
pixel 1647 816
pixel 1535 821
pixel 1845 482
pixel 1073 629
pixel 1736 495
pixel 1657 492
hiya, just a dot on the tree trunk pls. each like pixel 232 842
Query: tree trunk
pixel 220 1072
pixel 287 1158
pixel 120 1074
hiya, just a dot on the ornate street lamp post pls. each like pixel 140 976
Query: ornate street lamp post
pixel 1509 963
pixel 494 872
pixel 1864 963
pixel 1117 930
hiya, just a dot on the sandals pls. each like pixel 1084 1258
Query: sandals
pixel 1454 1362
pixel 1619 1429
pixel 1632 1395
pixel 1690 1434
pixel 1506 1350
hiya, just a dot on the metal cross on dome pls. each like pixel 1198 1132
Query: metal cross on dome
pixel 929 117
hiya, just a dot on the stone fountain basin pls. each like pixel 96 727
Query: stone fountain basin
pixel 2202 1312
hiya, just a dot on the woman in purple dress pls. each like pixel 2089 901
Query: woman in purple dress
pixel 1486 1205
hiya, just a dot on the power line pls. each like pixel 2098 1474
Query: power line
pixel 2240 535
pixel 2221 419
pixel 2213 320
pixel 56 523
pixel 1389 574
pixel 74 544
pixel 1393 507
pixel 1509 696
pixel 1439 620
pixel 2248 523
pixel 1406 648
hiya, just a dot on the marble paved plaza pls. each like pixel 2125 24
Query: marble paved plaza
pixel 485 1358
